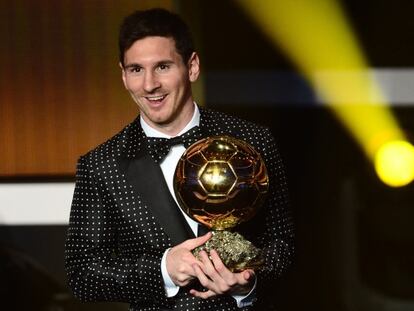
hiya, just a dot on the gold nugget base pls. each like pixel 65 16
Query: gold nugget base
pixel 235 251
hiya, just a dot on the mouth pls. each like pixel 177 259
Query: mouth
pixel 155 99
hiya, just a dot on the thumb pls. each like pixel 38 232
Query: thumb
pixel 248 274
pixel 193 243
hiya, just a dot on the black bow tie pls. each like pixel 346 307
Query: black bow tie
pixel 159 147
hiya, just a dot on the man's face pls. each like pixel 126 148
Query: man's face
pixel 160 83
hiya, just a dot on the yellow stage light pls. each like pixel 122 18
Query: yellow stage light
pixel 394 163
pixel 315 34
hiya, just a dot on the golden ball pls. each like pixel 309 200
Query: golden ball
pixel 221 181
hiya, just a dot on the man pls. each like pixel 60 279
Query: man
pixel 128 241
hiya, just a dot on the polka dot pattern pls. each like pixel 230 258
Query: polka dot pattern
pixel 115 245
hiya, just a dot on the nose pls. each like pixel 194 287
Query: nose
pixel 151 82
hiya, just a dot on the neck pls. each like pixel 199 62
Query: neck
pixel 181 120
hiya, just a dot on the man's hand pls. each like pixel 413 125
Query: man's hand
pixel 215 277
pixel 180 260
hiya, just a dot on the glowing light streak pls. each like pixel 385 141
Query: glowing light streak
pixel 316 36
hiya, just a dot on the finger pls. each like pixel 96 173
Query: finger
pixel 208 267
pixel 245 277
pixel 219 266
pixel 193 243
pixel 222 283
pixel 203 279
pixel 248 274
pixel 230 278
pixel 203 295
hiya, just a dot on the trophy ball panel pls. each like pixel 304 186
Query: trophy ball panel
pixel 196 158
pixel 218 149
pixel 217 177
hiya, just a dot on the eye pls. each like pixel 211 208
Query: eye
pixel 134 69
pixel 163 67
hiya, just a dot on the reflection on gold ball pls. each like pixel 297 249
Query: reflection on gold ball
pixel 220 182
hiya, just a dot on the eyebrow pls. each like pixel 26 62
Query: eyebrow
pixel 133 65
pixel 161 62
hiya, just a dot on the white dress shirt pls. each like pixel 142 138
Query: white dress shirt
pixel 168 166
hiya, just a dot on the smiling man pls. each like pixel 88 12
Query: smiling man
pixel 160 82
pixel 128 241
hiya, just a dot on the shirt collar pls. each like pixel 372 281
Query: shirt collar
pixel 151 132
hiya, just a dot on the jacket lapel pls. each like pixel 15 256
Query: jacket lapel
pixel 148 181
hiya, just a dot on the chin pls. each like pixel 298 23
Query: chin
pixel 159 120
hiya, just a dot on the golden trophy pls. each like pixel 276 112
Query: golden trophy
pixel 220 182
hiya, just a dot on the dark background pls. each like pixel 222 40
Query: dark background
pixel 354 234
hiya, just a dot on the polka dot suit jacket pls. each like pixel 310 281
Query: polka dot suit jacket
pixel 123 218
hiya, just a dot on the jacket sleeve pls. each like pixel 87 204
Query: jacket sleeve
pixel 97 269
pixel 277 237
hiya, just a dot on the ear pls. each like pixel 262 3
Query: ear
pixel 194 67
pixel 123 74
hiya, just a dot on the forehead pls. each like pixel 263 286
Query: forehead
pixel 151 49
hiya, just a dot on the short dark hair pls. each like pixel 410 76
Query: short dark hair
pixel 155 22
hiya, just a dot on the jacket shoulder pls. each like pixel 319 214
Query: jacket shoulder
pixel 114 147
pixel 220 123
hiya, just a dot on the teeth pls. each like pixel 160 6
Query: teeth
pixel 155 98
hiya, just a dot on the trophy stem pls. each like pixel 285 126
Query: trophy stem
pixel 235 251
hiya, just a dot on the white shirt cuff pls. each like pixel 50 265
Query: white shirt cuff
pixel 170 288
pixel 246 300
